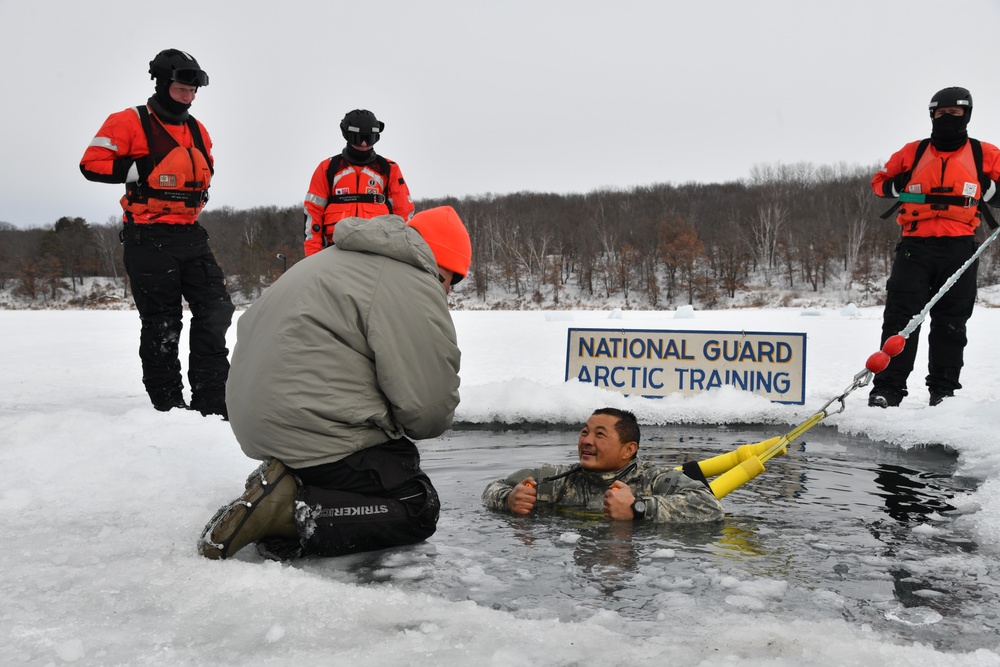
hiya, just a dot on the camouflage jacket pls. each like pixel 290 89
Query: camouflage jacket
pixel 670 495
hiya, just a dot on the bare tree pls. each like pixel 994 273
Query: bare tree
pixel 857 211
pixel 764 231
pixel 108 246
pixel 28 280
pixel 679 249
pixel 51 275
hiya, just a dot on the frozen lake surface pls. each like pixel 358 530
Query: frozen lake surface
pixel 845 551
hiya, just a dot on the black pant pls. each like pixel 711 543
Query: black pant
pixel 164 264
pixel 921 267
pixel 373 499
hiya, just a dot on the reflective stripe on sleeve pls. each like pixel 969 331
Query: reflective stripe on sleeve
pixel 104 142
pixel 315 199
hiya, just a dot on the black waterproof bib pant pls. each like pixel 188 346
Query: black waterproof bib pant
pixel 166 263
pixel 921 267
pixel 373 499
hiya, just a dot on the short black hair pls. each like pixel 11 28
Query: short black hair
pixel 626 426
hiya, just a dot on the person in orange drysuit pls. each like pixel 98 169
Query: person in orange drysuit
pixel 357 183
pixel 164 158
pixel 943 184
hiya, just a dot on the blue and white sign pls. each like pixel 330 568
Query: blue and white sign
pixel 658 363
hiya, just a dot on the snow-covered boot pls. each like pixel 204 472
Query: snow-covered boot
pixel 280 549
pixel 266 509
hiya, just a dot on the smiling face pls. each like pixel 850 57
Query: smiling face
pixel 600 448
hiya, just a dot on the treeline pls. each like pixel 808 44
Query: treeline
pixel 794 227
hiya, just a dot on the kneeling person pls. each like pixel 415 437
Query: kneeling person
pixel 337 365
pixel 610 478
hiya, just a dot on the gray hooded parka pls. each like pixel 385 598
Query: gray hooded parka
pixel 352 347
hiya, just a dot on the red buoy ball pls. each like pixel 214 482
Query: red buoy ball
pixel 894 345
pixel 877 362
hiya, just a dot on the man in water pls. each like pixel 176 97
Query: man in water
pixel 610 478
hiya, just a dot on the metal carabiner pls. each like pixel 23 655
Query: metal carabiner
pixel 861 379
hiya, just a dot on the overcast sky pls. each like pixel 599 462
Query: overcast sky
pixel 489 97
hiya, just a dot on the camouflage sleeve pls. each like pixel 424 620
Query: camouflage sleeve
pixel 496 492
pixel 679 499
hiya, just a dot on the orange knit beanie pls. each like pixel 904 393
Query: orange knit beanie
pixel 444 232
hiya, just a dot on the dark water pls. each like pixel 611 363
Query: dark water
pixel 839 527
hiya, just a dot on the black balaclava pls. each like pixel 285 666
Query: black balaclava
pixel 166 108
pixel 949 132
pixel 354 156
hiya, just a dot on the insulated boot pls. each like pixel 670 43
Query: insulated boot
pixel 266 509
pixel 938 395
pixel 884 397
pixel 213 405
pixel 169 402
pixel 280 549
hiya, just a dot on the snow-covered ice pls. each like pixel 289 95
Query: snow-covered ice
pixel 103 499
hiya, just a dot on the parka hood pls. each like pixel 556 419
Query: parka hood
pixel 388 236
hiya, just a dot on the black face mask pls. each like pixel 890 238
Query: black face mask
pixel 949 132
pixel 167 108
pixel 354 156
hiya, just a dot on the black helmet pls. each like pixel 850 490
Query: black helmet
pixel 361 125
pixel 174 65
pixel 951 97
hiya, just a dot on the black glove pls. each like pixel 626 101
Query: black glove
pixel 989 191
pixel 144 166
pixel 894 186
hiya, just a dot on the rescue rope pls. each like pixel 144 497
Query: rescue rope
pixel 919 317
pixel 736 468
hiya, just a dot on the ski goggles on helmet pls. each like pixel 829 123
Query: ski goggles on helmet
pixel 355 138
pixel 190 77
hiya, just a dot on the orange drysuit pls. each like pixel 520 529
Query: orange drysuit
pixel 357 190
pixel 952 174
pixel 176 187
